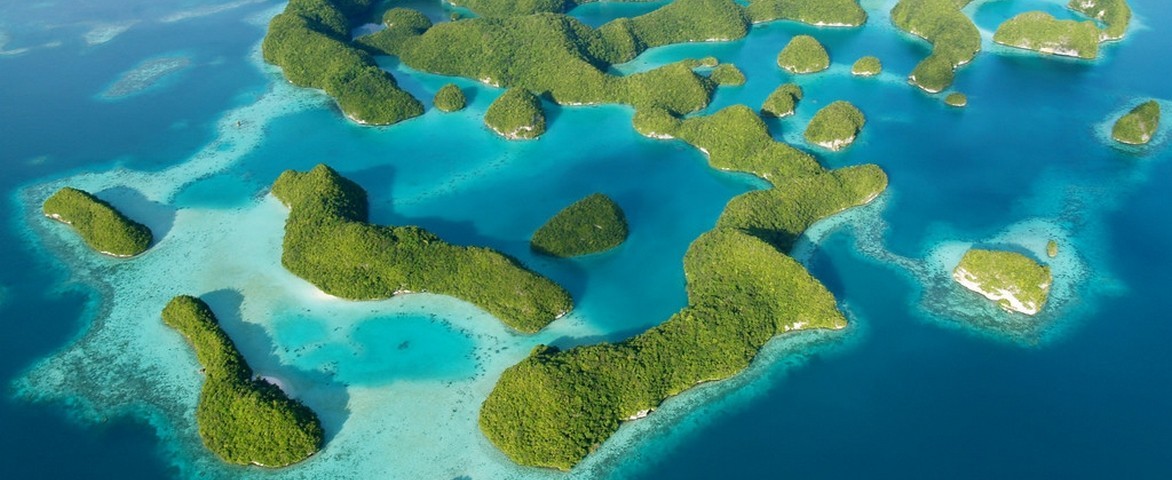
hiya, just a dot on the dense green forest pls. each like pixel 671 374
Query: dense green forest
pixel 590 225
pixel 835 126
pixel 99 224
pixel 1041 32
pixel 803 54
pixel 954 37
pixel 867 67
pixel 329 243
pixel 1004 272
pixel 310 41
pixel 516 114
pixel 450 98
pixel 1116 14
pixel 1138 126
pixel 241 419
pixel 782 101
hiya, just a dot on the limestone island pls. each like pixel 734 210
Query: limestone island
pixel 1041 32
pixel 727 74
pixel 242 419
pixel 954 37
pixel 835 126
pixel 99 224
pixel 590 225
pixel 803 54
pixel 450 98
pixel 556 406
pixel 516 115
pixel 867 67
pixel 782 101
pixel 1116 14
pixel 956 99
pixel 1139 125
pixel 1016 282
pixel 329 243
pixel 1052 248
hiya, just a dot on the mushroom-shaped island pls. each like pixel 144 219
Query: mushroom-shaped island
pixel 835 126
pixel 450 98
pixel 1139 125
pixel 803 54
pixel 867 67
pixel 782 101
pixel 516 115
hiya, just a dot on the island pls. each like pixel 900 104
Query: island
pixel 242 419
pixel 727 74
pixel 99 224
pixel 310 42
pixel 1138 126
pixel 516 115
pixel 328 243
pixel 803 54
pixel 1116 14
pixel 835 126
pixel 782 101
pixel 590 225
pixel 826 13
pixel 1041 32
pixel 1016 282
pixel 867 67
pixel 956 99
pixel 1052 248
pixel 954 37
pixel 556 406
pixel 450 98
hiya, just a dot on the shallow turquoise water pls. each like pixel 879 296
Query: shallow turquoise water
pixel 910 390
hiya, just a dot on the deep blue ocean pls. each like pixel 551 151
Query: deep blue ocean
pixel 928 382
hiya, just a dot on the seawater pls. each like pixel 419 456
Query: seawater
pixel 927 382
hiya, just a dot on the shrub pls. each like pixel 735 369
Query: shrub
pixel 99 224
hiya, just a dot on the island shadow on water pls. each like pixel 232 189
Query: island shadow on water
pixel 156 216
pixel 330 400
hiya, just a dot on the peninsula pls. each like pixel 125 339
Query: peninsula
pixel 954 37
pixel 1116 14
pixel 590 225
pixel 243 420
pixel 99 224
pixel 1139 125
pixel 1016 282
pixel 329 243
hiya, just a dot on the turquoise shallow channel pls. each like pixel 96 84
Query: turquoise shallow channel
pixel 928 381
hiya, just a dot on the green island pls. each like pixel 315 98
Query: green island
pixel 867 67
pixel 310 41
pixel 1116 14
pixel 782 101
pixel 1052 248
pixel 450 98
pixel 830 13
pixel 243 420
pixel 1016 282
pixel 727 74
pixel 516 115
pixel 1139 125
pixel 555 407
pixel 956 99
pixel 329 243
pixel 835 126
pixel 99 224
pixel 590 225
pixel 803 54
pixel 954 37
pixel 1041 32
